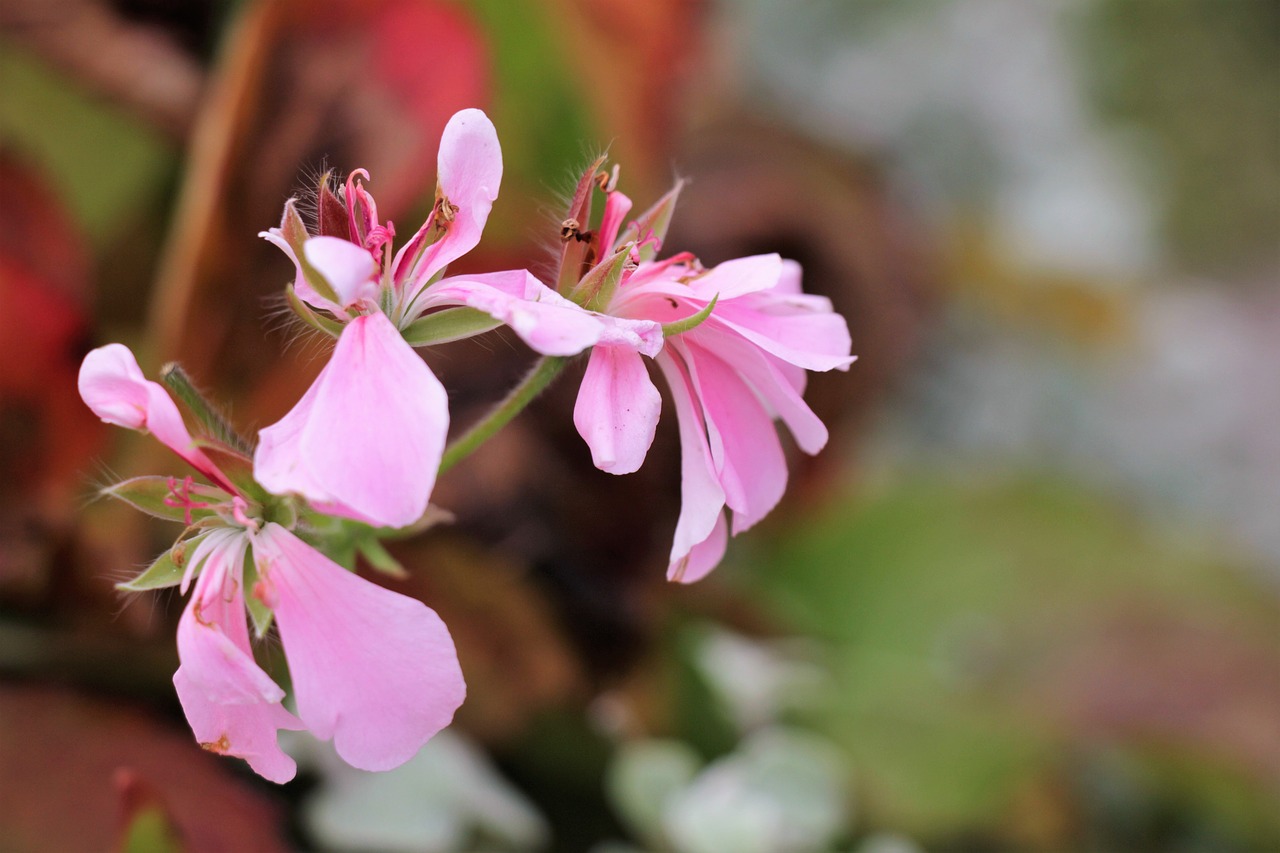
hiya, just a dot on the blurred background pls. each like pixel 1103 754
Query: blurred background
pixel 1027 599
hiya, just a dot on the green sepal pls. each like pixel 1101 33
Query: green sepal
pixel 597 287
pixel 259 613
pixel 321 324
pixel 450 324
pixel 167 570
pixel 380 558
pixel 148 494
pixel 295 234
pixel 671 329
pixel 654 222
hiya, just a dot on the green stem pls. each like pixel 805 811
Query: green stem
pixel 209 415
pixel 522 395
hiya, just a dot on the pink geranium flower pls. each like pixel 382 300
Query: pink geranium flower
pixel 366 441
pixel 373 670
pixel 738 366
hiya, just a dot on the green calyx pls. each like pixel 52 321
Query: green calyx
pixel 449 324
pixel 295 234
pixel 692 322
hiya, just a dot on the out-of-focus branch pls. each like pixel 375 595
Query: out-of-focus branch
pixel 135 65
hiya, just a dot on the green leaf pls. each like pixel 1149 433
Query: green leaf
pixel 259 613
pixel 451 324
pixel 679 326
pixel 150 831
pixel 167 570
pixel 154 496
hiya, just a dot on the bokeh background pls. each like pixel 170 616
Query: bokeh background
pixel 1027 599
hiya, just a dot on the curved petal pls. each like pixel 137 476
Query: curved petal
pixel 232 705
pixel 701 496
pixel 112 385
pixel 365 440
pixel 349 269
pixel 739 277
pixel 703 557
pixel 469 171
pixel 545 320
pixel 372 669
pixel 769 378
pixel 745 451
pixel 793 328
pixel 617 409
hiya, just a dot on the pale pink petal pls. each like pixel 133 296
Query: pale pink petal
pixel 366 439
pixel 814 341
pixel 372 669
pixel 300 285
pixel 545 320
pixel 789 281
pixel 701 497
pixel 232 705
pixel 616 207
pixel 112 385
pixel 704 556
pixel 469 173
pixel 745 451
pixel 738 277
pixel 773 380
pixel 617 409
pixel 349 269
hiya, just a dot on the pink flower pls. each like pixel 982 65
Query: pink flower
pixel 731 375
pixel 374 670
pixel 366 441
pixel 232 705
pixel 112 385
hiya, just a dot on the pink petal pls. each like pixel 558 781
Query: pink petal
pixel 745 451
pixel 616 207
pixel 798 329
pixel 373 669
pixel 704 556
pixel 469 173
pixel 112 385
pixel 349 269
pixel 738 277
pixel 545 320
pixel 789 281
pixel 617 409
pixel 365 440
pixel 304 291
pixel 770 379
pixel 701 497
pixel 232 705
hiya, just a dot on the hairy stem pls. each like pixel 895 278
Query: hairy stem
pixel 210 417
pixel 521 396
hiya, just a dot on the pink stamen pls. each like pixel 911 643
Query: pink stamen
pixel 182 498
pixel 238 507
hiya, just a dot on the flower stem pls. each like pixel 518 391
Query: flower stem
pixel 521 396
pixel 210 417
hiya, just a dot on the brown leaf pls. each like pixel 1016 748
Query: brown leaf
pixel 62 756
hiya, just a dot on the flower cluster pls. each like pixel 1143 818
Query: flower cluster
pixel 374 670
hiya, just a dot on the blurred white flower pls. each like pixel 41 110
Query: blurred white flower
pixel 781 791
pixel 441 801
pixel 755 680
